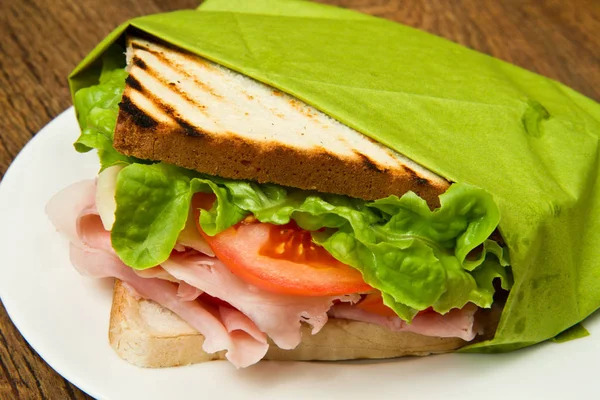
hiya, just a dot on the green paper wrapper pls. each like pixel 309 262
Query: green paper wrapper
pixel 529 141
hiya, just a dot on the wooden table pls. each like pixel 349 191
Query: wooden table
pixel 41 41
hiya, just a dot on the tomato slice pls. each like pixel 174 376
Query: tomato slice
pixel 281 259
pixel 373 303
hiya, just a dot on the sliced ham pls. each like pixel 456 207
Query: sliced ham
pixel 279 316
pixel 156 272
pixel 187 292
pixel 92 255
pixel 456 323
pixel 66 206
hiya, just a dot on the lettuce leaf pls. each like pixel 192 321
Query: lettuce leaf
pixel 97 110
pixel 152 208
pixel 416 257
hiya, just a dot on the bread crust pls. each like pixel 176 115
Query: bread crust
pixel 134 339
pixel 237 159
pixel 152 127
pixel 147 335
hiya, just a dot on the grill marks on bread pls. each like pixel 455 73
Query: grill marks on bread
pixel 185 110
pixel 138 117
pixel 168 110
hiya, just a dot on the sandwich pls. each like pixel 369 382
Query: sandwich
pixel 272 229
pixel 242 222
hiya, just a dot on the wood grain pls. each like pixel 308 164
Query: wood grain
pixel 42 41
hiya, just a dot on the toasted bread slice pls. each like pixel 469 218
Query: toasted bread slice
pixel 182 109
pixel 148 335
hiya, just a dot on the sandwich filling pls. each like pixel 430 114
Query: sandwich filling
pixel 231 313
pixel 242 261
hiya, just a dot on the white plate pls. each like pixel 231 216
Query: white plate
pixel 65 319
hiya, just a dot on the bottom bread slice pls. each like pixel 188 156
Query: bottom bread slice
pixel 148 335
